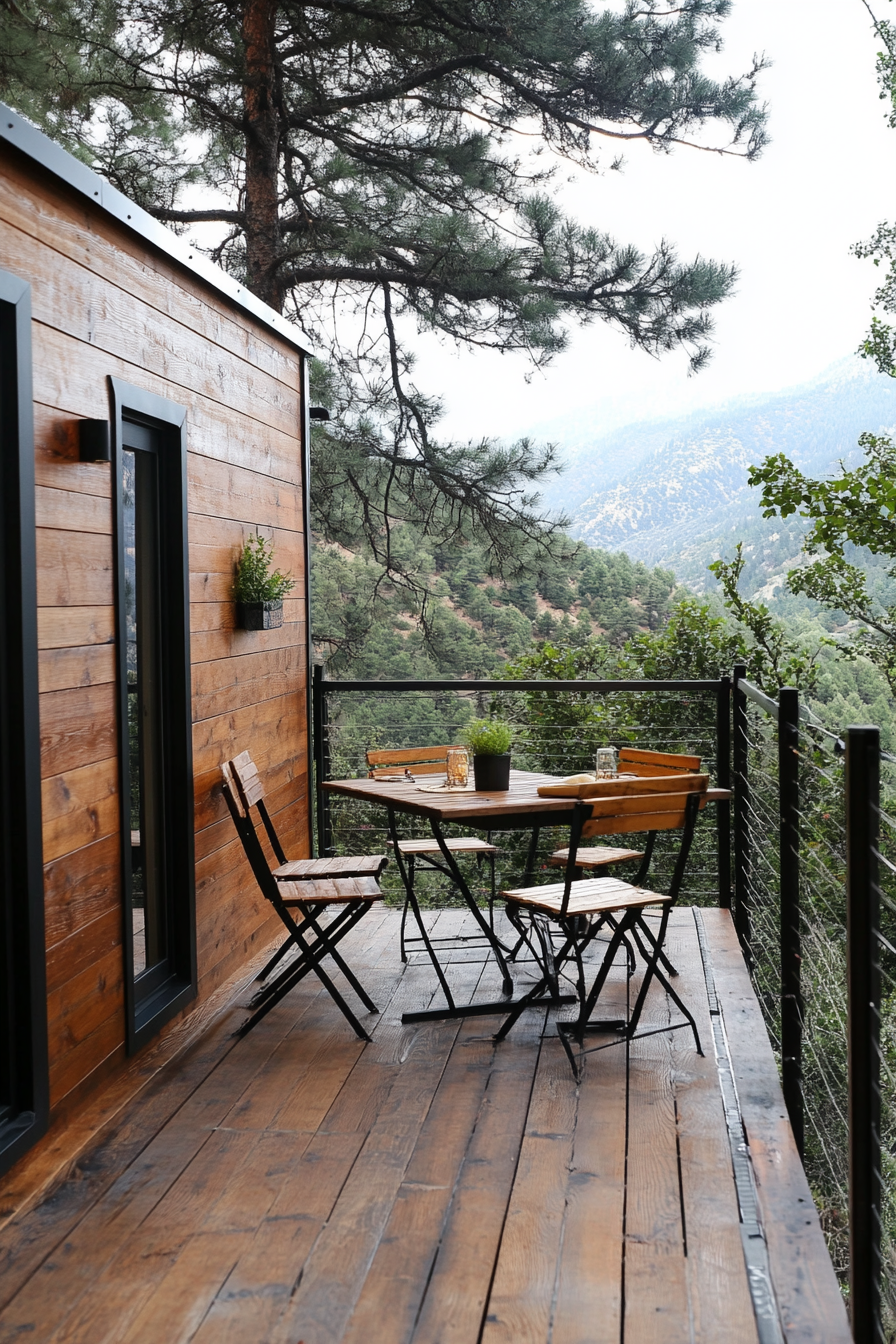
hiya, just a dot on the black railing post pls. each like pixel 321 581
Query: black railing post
pixel 321 760
pixel 863 1027
pixel 723 777
pixel 740 745
pixel 789 832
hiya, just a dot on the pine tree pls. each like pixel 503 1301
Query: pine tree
pixel 375 164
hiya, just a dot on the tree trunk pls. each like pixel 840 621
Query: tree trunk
pixel 263 241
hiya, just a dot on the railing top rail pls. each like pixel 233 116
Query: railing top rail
pixel 758 697
pixel 443 684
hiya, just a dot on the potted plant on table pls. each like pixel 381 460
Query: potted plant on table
pixel 489 740
pixel 259 589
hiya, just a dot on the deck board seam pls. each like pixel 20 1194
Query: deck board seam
pixel 755 1246
pixel 491 1283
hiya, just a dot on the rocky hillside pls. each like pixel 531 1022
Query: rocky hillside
pixel 675 492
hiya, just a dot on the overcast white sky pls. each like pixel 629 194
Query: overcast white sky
pixel 788 221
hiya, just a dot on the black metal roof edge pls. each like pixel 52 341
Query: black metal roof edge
pixel 23 135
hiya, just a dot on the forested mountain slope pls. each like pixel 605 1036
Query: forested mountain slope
pixel 475 623
pixel 675 492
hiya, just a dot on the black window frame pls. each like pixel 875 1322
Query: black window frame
pixel 23 1015
pixel 146 1016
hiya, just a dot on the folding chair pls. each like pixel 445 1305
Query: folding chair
pixel 645 764
pixel 430 761
pixel 302 887
pixel 581 907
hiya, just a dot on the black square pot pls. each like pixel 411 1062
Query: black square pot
pixel 491 774
pixel 259 615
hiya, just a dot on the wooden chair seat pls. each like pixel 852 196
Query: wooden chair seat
pixel 589 896
pixel 363 865
pixel 330 891
pixel 600 856
pixel 467 844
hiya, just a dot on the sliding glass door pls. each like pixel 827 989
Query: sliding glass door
pixel 157 821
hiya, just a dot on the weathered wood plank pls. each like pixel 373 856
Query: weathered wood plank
pixel 721 1306
pixel 69 627
pixel 79 807
pixel 64 669
pixel 80 1005
pixel 95 243
pixel 805 1286
pixel 71 510
pixel 80 887
pixel 234 683
pixel 87 945
pixel 589 1296
pixel 656 1290
pixel 77 385
pixel 77 728
pixel 74 569
pixel 521 1302
pixel 67 1288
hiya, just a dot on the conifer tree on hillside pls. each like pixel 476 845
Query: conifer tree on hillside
pixel 375 164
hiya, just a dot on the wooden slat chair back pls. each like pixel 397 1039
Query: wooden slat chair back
pixel 304 888
pixel 646 765
pixel 383 762
pixel 634 761
pixel 583 906
pixel 417 760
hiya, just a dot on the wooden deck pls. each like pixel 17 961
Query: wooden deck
pixel 298 1186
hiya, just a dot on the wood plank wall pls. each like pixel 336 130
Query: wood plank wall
pixel 104 304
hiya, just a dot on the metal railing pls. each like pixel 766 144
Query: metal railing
pixel 813 895
pixel 559 725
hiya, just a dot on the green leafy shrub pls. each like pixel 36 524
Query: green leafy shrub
pixel 488 737
pixel 256 581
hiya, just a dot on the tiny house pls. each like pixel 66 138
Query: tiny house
pixel 153 416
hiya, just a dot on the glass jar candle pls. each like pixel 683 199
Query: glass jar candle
pixel 605 763
pixel 457 768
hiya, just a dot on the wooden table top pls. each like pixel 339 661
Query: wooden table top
pixel 522 798
pixel 404 796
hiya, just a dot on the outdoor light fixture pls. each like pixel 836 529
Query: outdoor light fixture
pixel 319 413
pixel 94 443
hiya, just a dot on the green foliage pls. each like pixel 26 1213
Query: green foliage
pixel 470 625
pixel 778 660
pixel 856 509
pixel 256 581
pixel 488 737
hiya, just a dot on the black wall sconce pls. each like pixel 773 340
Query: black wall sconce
pixel 318 413
pixel 94 441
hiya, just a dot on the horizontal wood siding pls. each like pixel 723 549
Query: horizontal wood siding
pixel 104 305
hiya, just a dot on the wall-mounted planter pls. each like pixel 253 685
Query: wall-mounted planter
pixel 491 774
pixel 259 615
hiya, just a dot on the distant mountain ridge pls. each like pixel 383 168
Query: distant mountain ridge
pixel 675 492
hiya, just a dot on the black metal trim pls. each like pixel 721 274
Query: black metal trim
pixel 144 1019
pixel 863 1030
pixel 53 159
pixel 455 684
pixel 21 852
pixel 305 436
pixel 742 855
pixel 791 952
pixel 723 778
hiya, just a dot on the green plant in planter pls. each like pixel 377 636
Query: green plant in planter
pixel 259 589
pixel 489 740
pixel 255 579
pixel 488 737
